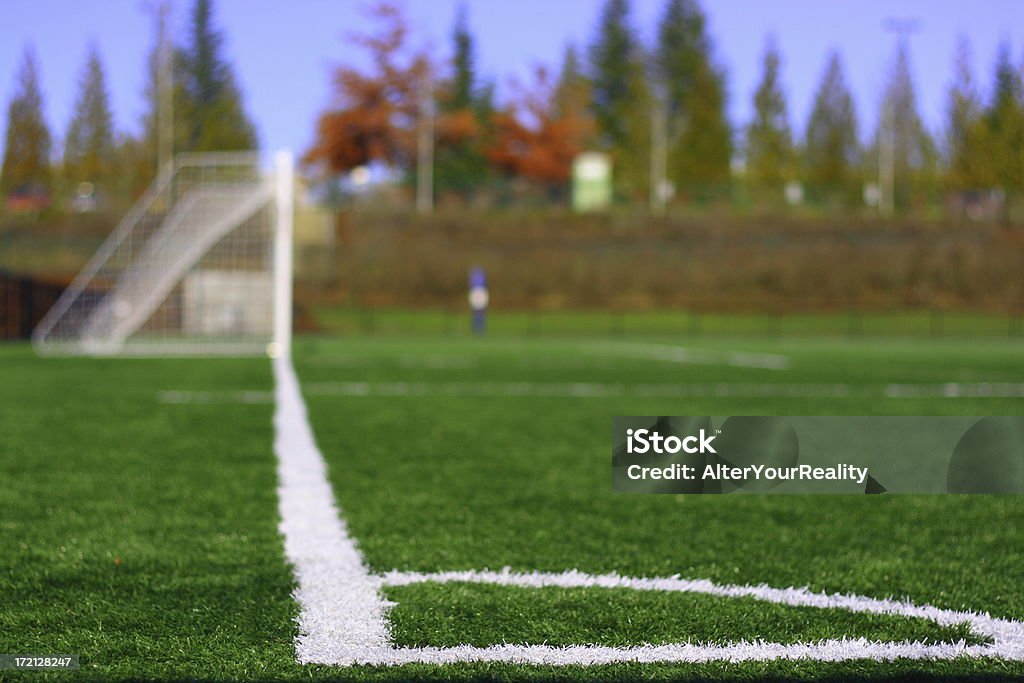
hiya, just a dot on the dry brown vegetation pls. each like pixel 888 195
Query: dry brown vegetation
pixel 543 260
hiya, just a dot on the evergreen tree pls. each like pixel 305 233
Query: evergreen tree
pixel 612 60
pixel 213 103
pixel 694 94
pixel 964 156
pixel 632 176
pixel 89 149
pixel 1003 129
pixel 460 165
pixel 135 164
pixel 464 63
pixel 573 93
pixel 145 157
pixel 28 142
pixel 1006 89
pixel 703 154
pixel 902 140
pixel 769 140
pixel 831 150
pixel 682 46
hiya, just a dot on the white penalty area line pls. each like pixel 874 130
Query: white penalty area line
pixel 200 397
pixel 681 354
pixel 589 390
pixel 342 619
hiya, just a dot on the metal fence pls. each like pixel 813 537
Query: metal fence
pixel 24 300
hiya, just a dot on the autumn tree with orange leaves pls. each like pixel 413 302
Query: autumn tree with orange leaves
pixel 541 132
pixel 376 113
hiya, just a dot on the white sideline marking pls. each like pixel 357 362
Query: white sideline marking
pixel 341 615
pixel 342 611
pixel 681 354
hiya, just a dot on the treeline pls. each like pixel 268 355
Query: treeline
pixel 659 110
pixel 207 116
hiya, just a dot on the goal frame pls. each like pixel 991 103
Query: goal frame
pixel 280 205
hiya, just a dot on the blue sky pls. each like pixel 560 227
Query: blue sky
pixel 284 50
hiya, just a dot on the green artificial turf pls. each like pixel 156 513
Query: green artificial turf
pixel 446 615
pixel 434 481
pixel 140 536
pixel 143 535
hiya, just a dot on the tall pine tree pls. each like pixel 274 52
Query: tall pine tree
pixel 831 149
pixel 963 153
pixel 139 157
pixel 632 177
pixel 1004 126
pixel 694 92
pixel 213 103
pixel 460 166
pixel 621 99
pixel 28 142
pixel 612 59
pixel 1007 89
pixel 89 150
pixel 573 94
pixel 902 141
pixel 463 62
pixel 769 139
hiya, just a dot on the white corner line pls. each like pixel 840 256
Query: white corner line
pixel 1007 635
pixel 342 619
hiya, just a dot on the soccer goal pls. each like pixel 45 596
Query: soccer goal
pixel 200 265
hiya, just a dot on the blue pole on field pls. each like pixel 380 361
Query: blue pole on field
pixel 478 299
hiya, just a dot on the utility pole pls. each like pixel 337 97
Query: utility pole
pixel 887 162
pixel 425 144
pixel 164 83
pixel 887 142
pixel 659 153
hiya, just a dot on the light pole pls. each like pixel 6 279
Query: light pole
pixel 425 144
pixel 887 142
pixel 659 153
pixel 164 83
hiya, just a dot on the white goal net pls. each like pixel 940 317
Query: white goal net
pixel 200 265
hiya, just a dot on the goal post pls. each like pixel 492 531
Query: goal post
pixel 201 265
pixel 284 199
